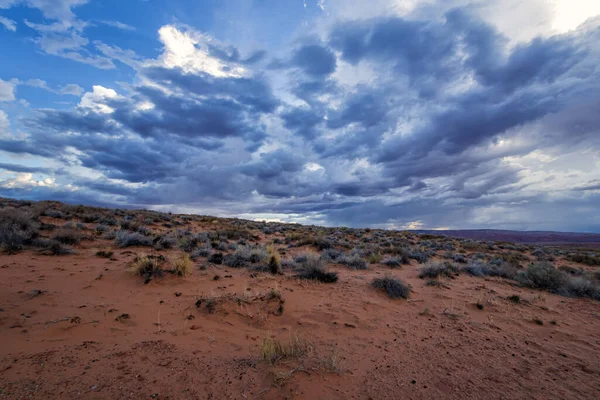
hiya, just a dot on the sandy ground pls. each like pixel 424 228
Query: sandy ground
pixel 68 341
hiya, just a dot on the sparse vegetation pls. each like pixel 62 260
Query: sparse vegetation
pixel 394 287
pixel 436 269
pixel 312 268
pixel 147 266
pixel 127 239
pixel 182 265
pixel 274 351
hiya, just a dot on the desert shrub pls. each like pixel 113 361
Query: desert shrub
pixel 375 257
pixel 201 252
pixel 436 269
pixel 104 253
pixel 89 218
pixel 216 258
pixel 501 269
pixel 273 351
pixel 47 227
pixel 167 241
pixel 330 255
pixel 420 256
pixel 56 248
pixel 458 258
pixel 144 230
pixel 110 221
pixel 394 287
pixel 580 286
pixel 542 275
pixel 396 262
pixel 189 243
pixel 182 265
pixel 109 235
pixel 52 247
pixel 17 230
pixel 571 270
pixel 274 261
pixel 322 243
pixel 50 212
pixel 146 266
pixel 244 256
pixel 235 234
pixel 311 267
pixel 68 236
pixel 584 259
pixel 353 260
pixel 102 228
pixel 126 239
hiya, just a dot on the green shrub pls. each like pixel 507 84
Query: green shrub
pixel 394 288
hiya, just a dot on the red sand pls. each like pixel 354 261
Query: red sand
pixel 65 342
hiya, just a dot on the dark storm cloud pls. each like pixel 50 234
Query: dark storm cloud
pixel 231 54
pixel 420 50
pixel 303 121
pixel 273 164
pixel 23 168
pixel 254 93
pixel 424 133
pixel 542 60
pixel 315 60
pixel 363 107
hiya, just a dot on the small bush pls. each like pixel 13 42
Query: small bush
pixel 216 258
pixel 104 253
pixel 68 236
pixel 17 230
pixel 436 269
pixel 542 276
pixel 102 228
pixel 501 269
pixel 584 259
pixel 396 262
pixel 580 286
pixel 395 288
pixel 126 239
pixel 244 256
pixel 146 266
pixel 167 241
pixel 330 255
pixel 274 261
pixel 312 268
pixel 515 298
pixel 52 247
pixel 273 351
pixel 353 261
pixel 182 265
pixel 50 212
pixel 200 252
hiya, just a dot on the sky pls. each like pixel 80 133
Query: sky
pixel 398 114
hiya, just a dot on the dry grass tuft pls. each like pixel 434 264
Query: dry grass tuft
pixel 146 266
pixel 182 265
pixel 274 351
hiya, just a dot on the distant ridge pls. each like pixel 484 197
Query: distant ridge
pixel 526 237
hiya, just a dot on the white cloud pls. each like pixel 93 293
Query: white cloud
pixel 70 88
pixel 26 180
pixel 188 49
pixel 96 99
pixel 119 25
pixel 128 57
pixel 4 123
pixel 8 24
pixel 55 9
pixel 7 91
